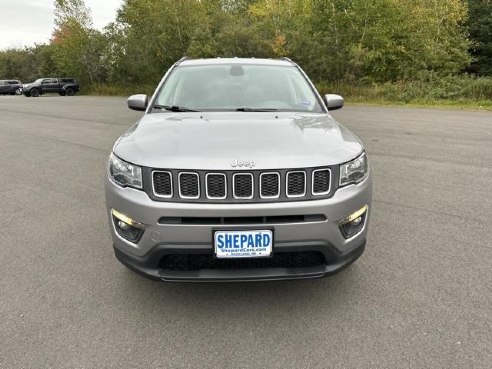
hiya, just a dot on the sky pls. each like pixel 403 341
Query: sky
pixel 26 22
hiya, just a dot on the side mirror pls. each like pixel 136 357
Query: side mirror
pixel 138 102
pixel 333 102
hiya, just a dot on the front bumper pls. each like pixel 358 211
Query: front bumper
pixel 148 265
pixel 160 240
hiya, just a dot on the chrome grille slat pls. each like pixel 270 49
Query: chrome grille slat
pixel 243 186
pixel 296 184
pixel 321 181
pixel 189 185
pixel 162 184
pixel 216 186
pixel 269 185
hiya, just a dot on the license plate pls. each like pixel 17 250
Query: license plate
pixel 243 244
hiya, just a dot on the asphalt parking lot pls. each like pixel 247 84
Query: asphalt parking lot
pixel 419 297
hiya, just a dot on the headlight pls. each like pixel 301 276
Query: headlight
pixel 123 173
pixel 354 171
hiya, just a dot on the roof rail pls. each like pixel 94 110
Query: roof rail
pixel 288 59
pixel 182 60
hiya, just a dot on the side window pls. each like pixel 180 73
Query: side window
pixel 45 81
pixel 2 83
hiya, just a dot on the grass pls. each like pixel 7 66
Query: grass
pixel 461 104
pixel 117 90
pixel 456 92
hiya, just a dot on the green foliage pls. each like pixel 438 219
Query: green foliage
pixel 480 27
pixel 152 35
pixel 77 47
pixel 453 88
pixel 28 64
pixel 102 89
pixel 357 42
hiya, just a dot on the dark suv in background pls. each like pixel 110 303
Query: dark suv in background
pixel 10 87
pixel 64 87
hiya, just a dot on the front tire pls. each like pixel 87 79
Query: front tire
pixel 18 91
pixel 34 92
pixel 69 91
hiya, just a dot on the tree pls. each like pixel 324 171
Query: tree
pixel 27 64
pixel 78 48
pixel 153 34
pixel 480 28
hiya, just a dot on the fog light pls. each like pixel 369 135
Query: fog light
pixel 126 227
pixel 354 223
pixel 123 226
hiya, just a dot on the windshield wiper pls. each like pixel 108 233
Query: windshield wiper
pixel 173 108
pixel 256 109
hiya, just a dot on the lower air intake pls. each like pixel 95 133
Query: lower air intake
pixel 196 262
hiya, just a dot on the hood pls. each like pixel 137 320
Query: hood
pixel 212 141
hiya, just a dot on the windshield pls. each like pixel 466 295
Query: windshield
pixel 237 87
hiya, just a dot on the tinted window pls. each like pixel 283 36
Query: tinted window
pixel 233 86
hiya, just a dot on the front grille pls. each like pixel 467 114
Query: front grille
pixel 196 262
pixel 163 185
pixel 321 181
pixel 216 186
pixel 246 186
pixel 296 184
pixel 243 185
pixel 189 185
pixel 269 185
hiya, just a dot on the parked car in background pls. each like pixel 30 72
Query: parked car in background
pixel 10 87
pixel 62 86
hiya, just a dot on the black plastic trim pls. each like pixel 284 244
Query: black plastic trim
pixel 148 265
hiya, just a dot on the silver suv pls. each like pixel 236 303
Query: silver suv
pixel 237 172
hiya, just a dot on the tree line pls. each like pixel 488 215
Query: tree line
pixel 335 41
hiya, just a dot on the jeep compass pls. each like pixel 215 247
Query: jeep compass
pixel 237 172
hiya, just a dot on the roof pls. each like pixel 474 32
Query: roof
pixel 211 61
